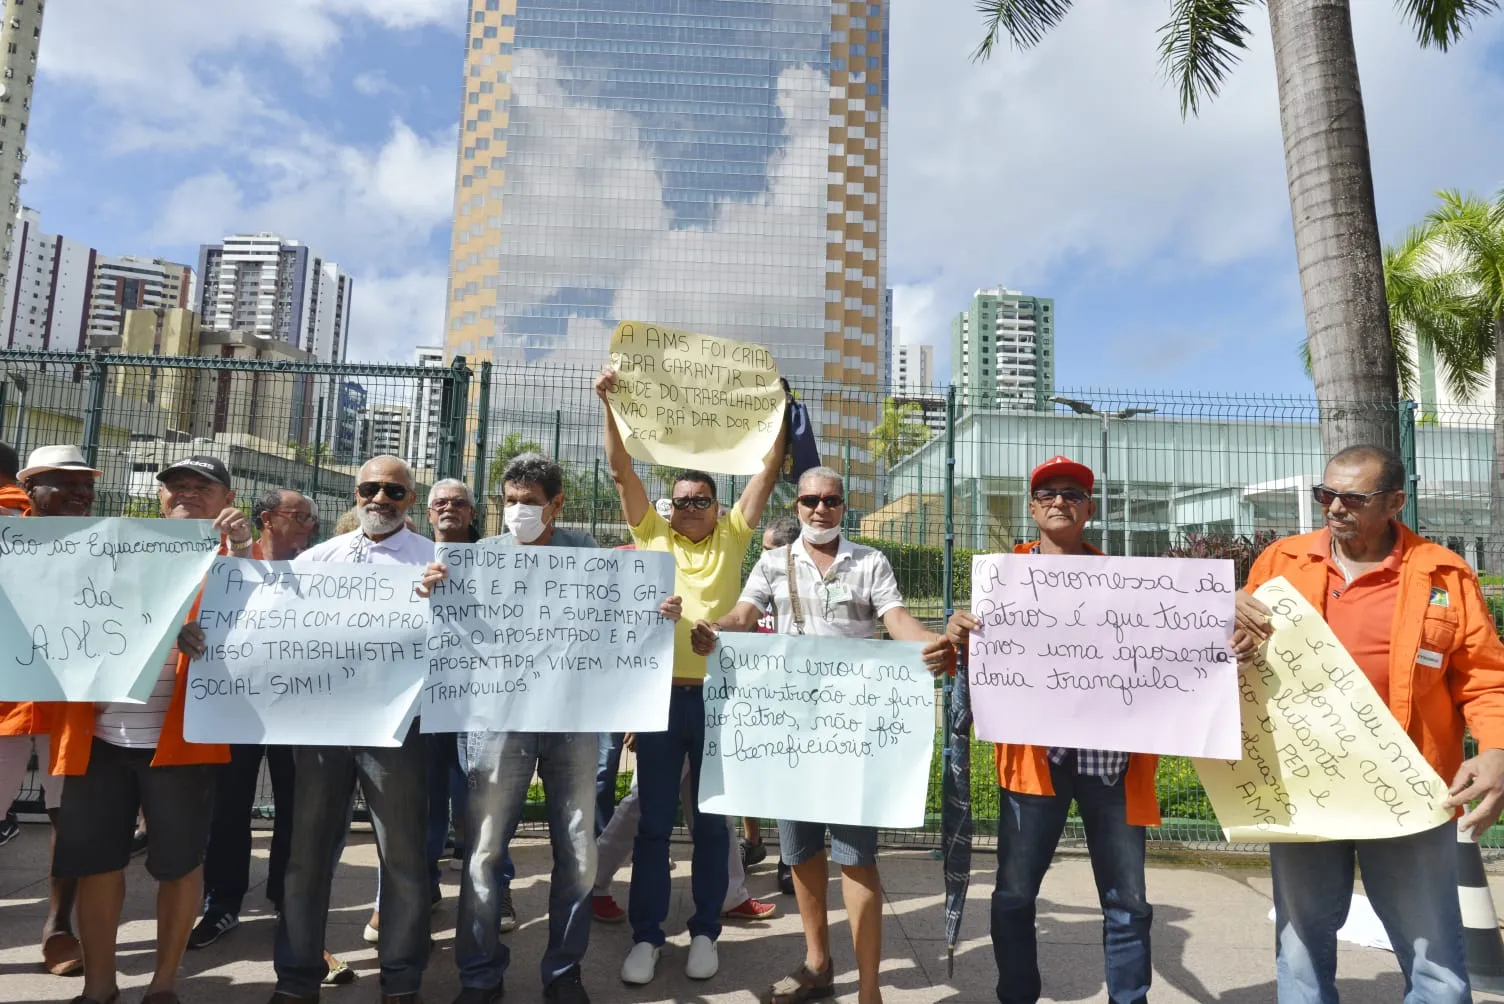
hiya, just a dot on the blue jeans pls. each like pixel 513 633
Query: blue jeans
pixel 1412 884
pixel 660 759
pixel 446 792
pixel 393 781
pixel 606 769
pixel 501 766
pixel 1029 828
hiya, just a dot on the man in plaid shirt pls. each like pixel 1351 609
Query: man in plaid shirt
pixel 1115 793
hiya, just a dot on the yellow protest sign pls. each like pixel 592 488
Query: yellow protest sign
pixel 1323 758
pixel 688 400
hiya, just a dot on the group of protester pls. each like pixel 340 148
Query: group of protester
pixel 1411 613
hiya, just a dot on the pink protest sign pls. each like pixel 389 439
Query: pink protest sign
pixel 1105 653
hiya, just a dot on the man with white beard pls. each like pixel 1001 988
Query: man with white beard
pixel 394 782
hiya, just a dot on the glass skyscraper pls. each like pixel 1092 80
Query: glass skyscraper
pixel 714 165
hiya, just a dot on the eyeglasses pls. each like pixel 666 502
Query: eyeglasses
pixel 813 501
pixel 698 502
pixel 1324 497
pixel 370 489
pixel 303 518
pixel 189 486
pixel 1070 496
pixel 448 504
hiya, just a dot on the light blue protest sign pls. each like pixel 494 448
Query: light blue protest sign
pixel 549 639
pixel 820 729
pixel 316 654
pixel 90 608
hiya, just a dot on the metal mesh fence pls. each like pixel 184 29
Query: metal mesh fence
pixel 927 472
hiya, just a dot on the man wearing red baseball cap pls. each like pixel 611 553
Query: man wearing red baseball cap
pixel 1115 793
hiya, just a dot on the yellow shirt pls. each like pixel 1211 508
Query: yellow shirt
pixel 707 576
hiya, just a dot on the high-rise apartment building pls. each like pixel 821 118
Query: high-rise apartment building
pixel 428 403
pixel 389 428
pixel 1003 351
pixel 913 369
pixel 279 289
pixel 20 41
pixel 62 294
pixel 717 166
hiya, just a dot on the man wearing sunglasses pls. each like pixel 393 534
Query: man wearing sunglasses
pixel 1412 615
pixel 1114 791
pixel 708 549
pixel 393 781
pixel 843 590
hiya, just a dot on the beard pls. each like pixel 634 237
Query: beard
pixel 376 523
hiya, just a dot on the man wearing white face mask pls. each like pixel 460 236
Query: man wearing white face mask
pixel 500 766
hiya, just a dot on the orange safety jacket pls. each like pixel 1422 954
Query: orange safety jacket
pixel 73 724
pixel 1446 664
pixel 1026 769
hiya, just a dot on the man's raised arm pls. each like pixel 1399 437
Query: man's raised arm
pixel 755 496
pixel 634 497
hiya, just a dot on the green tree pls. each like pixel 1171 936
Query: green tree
pixel 512 445
pixel 1337 241
pixel 899 432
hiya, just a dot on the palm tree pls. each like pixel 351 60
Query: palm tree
pixel 511 446
pixel 899 432
pixel 1330 178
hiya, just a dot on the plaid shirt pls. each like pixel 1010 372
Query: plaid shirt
pixel 1106 764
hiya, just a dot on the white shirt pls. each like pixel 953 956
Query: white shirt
pixel 402 548
pixel 848 601
pixel 138 726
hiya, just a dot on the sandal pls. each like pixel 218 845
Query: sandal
pixel 803 984
pixel 339 974
pixel 113 998
pixel 162 997
pixel 62 958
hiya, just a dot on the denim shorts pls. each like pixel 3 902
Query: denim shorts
pixel 850 846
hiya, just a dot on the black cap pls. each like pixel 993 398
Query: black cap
pixel 209 467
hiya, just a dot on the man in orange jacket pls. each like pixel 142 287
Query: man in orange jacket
pixel 119 759
pixel 1115 792
pixel 13 500
pixel 1412 616
pixel 58 482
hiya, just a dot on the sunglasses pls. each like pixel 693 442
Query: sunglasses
pixel 370 489
pixel 813 501
pixel 1070 496
pixel 1324 497
pixel 699 502
pixel 448 504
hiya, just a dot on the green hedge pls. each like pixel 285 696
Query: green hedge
pixel 920 568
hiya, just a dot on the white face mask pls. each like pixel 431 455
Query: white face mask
pixel 819 535
pixel 525 521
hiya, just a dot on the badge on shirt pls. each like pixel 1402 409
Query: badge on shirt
pixel 837 592
pixel 1439 598
pixel 1428 658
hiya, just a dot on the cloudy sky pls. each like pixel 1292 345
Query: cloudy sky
pixel 1065 171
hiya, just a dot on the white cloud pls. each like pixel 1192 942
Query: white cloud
pixel 394 312
pixel 374 84
pixel 1073 155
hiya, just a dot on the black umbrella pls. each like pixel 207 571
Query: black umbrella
pixel 955 811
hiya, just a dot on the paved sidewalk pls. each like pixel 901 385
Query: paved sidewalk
pixel 1212 941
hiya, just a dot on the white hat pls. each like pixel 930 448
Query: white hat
pixel 55 458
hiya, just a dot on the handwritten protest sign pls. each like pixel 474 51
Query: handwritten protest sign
pixel 549 639
pixel 312 654
pixel 687 400
pixel 1104 653
pixel 1323 759
pixel 826 730
pixel 90 608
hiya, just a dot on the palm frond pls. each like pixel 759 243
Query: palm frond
pixel 1200 45
pixel 1434 310
pixel 1025 22
pixel 1443 22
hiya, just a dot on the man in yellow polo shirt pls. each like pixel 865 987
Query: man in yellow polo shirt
pixel 708 549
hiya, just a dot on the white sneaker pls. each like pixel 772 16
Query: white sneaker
pixel 641 963
pixel 703 962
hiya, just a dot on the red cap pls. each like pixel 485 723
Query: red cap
pixel 1062 467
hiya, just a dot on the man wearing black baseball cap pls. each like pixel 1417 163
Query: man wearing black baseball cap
pixel 1115 793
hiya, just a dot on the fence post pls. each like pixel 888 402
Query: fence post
pixel 455 401
pixel 482 434
pixel 595 492
pixel 94 413
pixel 558 429
pixel 1410 515
pixel 3 385
pixel 948 588
pixel 318 442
